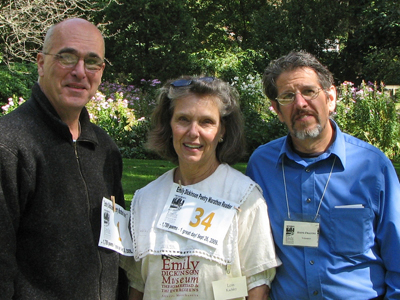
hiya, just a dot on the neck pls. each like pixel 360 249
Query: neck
pixel 75 129
pixel 188 174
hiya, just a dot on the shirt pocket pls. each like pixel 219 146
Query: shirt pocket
pixel 351 231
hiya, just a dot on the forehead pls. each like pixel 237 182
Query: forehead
pixel 82 38
pixel 296 78
pixel 197 103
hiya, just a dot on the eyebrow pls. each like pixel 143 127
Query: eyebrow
pixel 74 51
pixel 300 88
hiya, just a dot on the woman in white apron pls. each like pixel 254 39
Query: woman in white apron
pixel 201 230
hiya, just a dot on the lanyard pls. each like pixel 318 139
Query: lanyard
pixel 322 197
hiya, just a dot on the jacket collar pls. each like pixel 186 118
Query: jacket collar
pixel 52 119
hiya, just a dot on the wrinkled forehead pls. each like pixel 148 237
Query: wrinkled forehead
pixel 81 38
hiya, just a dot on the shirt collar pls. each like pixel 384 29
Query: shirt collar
pixel 337 148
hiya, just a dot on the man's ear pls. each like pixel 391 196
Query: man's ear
pixel 275 106
pixel 40 63
pixel 331 98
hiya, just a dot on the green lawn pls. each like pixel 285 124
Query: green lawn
pixel 139 172
pixel 397 167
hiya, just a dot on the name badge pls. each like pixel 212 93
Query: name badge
pixel 230 288
pixel 304 234
pixel 114 233
pixel 196 215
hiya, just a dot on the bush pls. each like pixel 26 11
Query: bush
pixel 261 123
pixel 123 111
pixel 369 114
pixel 226 64
pixel 17 79
pixel 12 104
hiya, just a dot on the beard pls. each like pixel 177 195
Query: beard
pixel 304 133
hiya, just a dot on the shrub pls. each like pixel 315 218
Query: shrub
pixel 12 104
pixel 17 79
pixel 369 114
pixel 226 64
pixel 123 111
pixel 261 122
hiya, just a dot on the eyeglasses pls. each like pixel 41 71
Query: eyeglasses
pixel 187 82
pixel 70 60
pixel 308 94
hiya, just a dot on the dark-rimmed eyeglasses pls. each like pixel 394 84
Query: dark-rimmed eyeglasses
pixel 70 60
pixel 308 94
pixel 187 82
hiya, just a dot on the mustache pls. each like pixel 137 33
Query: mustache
pixel 302 112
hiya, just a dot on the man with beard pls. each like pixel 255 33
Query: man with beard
pixel 333 199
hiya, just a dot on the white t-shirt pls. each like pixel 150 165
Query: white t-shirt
pixel 162 275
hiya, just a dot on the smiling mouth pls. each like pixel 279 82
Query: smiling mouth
pixel 193 146
pixel 79 87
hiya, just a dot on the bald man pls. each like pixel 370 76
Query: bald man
pixel 55 169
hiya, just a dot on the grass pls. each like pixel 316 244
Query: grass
pixel 397 167
pixel 139 172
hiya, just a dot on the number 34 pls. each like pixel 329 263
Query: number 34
pixel 206 222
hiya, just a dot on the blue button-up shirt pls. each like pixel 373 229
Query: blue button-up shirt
pixel 358 256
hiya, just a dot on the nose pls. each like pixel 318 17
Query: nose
pixel 299 100
pixel 193 130
pixel 79 69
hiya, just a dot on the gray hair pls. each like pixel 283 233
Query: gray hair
pixel 291 62
pixel 230 150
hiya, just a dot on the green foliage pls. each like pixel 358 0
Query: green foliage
pixel 123 111
pixel 369 114
pixel 147 39
pixel 12 104
pixel 17 79
pixel 225 64
pixel 261 122
pixel 370 48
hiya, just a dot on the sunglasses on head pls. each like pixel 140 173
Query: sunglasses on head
pixel 187 82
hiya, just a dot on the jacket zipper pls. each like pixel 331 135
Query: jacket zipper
pixel 88 207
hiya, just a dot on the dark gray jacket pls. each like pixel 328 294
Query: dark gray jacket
pixel 50 205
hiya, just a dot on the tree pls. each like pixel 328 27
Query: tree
pixel 148 39
pixel 371 51
pixel 23 23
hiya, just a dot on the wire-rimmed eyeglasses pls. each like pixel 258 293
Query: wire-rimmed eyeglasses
pixel 308 94
pixel 70 60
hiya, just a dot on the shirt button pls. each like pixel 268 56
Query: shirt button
pixel 308 200
pixel 315 293
pixel 311 262
pixel 308 170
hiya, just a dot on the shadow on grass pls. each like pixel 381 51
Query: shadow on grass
pixel 139 172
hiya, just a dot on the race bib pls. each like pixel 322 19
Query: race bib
pixel 196 215
pixel 114 232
